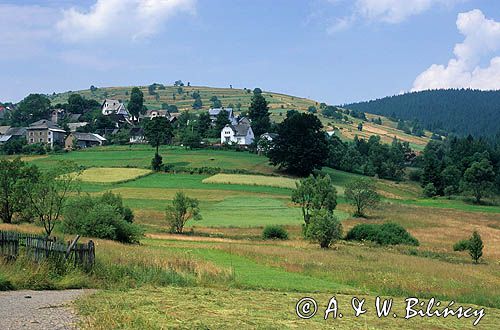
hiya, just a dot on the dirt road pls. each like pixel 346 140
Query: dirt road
pixel 38 309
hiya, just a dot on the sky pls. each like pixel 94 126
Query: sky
pixel 333 51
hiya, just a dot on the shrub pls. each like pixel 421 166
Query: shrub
pixel 103 217
pixel 324 228
pixel 156 162
pixel 274 232
pixel 383 234
pixel 430 190
pixel 461 245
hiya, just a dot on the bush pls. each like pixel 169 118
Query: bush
pixel 103 217
pixel 461 245
pixel 324 228
pixel 430 190
pixel 156 162
pixel 384 234
pixel 274 232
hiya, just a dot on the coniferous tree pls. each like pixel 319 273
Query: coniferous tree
pixel 259 113
pixel 136 103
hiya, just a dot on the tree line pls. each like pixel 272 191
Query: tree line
pixel 460 166
pixel 458 111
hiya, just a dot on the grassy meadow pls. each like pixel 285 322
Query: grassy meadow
pixel 222 274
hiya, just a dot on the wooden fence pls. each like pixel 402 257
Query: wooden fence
pixel 38 248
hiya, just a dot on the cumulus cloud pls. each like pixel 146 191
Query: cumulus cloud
pixel 481 43
pixel 120 18
pixel 386 11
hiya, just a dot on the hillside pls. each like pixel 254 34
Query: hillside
pixel 279 104
pixel 459 111
pixel 184 100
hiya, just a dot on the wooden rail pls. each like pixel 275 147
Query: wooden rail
pixel 38 248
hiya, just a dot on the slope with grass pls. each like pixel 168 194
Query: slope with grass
pixel 279 104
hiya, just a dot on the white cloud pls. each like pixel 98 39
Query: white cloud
pixel 481 43
pixel 386 11
pixel 120 18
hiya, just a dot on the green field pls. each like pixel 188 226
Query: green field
pixel 224 270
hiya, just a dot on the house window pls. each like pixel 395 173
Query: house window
pixel 40 133
pixel 50 133
pixel 31 133
pixel 32 140
pixel 49 139
pixel 40 140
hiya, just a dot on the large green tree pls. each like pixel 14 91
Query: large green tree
pixel 182 209
pixel 48 193
pixel 362 194
pixel 478 179
pixel 32 108
pixel 258 112
pixel 301 145
pixel 136 103
pixel 158 131
pixel 315 193
pixel 12 198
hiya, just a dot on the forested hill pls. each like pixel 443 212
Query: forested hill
pixel 458 111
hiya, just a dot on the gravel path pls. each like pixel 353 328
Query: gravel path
pixel 38 309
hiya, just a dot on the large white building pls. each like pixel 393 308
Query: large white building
pixel 241 133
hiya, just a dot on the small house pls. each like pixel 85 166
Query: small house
pixel 241 134
pixel 83 140
pixel 137 135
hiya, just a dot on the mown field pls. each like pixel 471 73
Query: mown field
pixel 221 273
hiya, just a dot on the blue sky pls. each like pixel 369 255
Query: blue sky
pixel 335 51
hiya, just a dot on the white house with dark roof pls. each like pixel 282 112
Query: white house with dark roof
pixel 241 133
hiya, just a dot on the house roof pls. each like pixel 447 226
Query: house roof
pixel 43 124
pixel 163 113
pixel 271 135
pixel 74 117
pixel 216 111
pixel 5 138
pixel 16 131
pixel 4 129
pixel 240 129
pixel 112 104
pixel 88 137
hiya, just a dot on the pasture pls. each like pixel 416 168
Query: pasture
pixel 231 275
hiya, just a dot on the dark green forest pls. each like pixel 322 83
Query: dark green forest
pixel 457 111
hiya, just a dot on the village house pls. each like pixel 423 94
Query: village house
pixel 83 140
pixel 137 135
pixel 8 133
pixel 45 131
pixel 214 112
pixel 241 133
pixel 116 107
pixel 150 114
